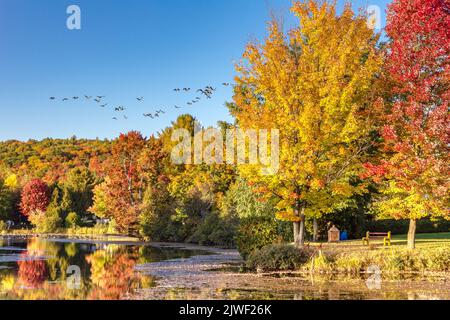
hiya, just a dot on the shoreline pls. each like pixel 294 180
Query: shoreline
pixel 209 278
pixel 117 239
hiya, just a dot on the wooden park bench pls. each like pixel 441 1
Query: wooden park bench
pixel 386 236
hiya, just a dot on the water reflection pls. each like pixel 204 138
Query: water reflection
pixel 34 268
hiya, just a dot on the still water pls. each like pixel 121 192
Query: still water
pixel 35 268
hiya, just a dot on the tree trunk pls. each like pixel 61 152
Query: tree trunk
pixel 301 232
pixel 296 232
pixel 299 228
pixel 412 234
pixel 315 230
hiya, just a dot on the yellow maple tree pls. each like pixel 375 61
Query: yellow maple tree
pixel 316 85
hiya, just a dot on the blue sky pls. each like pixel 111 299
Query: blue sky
pixel 124 50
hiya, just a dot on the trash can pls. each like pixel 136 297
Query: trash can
pixel 344 236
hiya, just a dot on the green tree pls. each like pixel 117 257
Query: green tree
pixel 100 201
pixel 78 191
pixel 66 201
pixel 243 201
pixel 5 202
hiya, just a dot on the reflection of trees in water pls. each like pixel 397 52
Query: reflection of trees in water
pixel 32 273
pixel 108 273
pixel 112 276
pixel 32 268
pixel 42 272
pixel 148 254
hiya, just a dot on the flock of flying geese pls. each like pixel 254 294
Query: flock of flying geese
pixel 207 92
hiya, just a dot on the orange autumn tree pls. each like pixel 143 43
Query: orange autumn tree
pixel 136 164
pixel 125 187
pixel 315 84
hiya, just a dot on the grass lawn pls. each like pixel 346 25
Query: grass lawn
pixel 431 255
pixel 423 240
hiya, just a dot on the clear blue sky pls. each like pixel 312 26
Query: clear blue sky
pixel 125 49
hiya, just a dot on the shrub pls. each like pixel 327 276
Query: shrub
pixel 321 262
pixel 46 222
pixel 438 259
pixel 277 258
pixel 256 232
pixel 215 230
pixel 97 230
pixel 73 220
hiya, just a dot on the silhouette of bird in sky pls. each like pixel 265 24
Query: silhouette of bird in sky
pixel 207 91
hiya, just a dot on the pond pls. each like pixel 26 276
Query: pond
pixel 35 268
pixel 54 269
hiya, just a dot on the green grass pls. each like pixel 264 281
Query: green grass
pixel 427 236
pixel 432 254
pixel 423 240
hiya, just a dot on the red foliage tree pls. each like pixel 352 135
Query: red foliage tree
pixel 416 130
pixel 136 164
pixel 35 196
